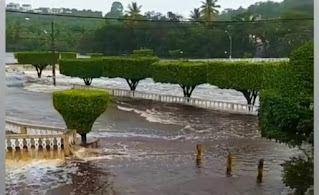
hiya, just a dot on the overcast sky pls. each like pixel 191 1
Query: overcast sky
pixel 182 7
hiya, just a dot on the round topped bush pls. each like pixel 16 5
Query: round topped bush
pixel 80 108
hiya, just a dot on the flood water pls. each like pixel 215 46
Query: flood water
pixel 147 147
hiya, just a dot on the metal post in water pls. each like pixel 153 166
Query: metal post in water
pixel 260 171
pixel 199 148
pixel 229 164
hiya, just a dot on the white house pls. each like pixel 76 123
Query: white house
pixel 56 10
pixel 37 11
pixel 13 6
pixel 26 7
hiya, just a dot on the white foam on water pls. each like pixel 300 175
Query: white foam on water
pixel 125 108
pixel 113 134
pixel 45 88
pixel 153 116
pixel 38 176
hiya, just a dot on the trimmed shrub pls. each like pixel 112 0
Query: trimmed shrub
pixel 243 76
pixel 286 115
pixel 96 55
pixel 80 108
pixel 40 60
pixel 285 119
pixel 143 53
pixel 130 68
pixel 68 55
pixel 188 74
pixel 275 75
pixel 235 75
pixel 246 76
pixel 302 69
pixel 87 69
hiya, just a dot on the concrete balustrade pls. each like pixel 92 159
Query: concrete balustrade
pixel 209 104
pixel 27 137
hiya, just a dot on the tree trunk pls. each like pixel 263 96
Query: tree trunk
pixel 39 71
pixel 132 83
pixel 250 95
pixel 88 81
pixel 83 138
pixel 187 90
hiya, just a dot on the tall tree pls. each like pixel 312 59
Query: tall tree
pixel 134 11
pixel 209 10
pixel 195 15
pixel 116 10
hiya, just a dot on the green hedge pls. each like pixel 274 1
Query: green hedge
pixel 143 53
pixel 130 68
pixel 87 69
pixel 275 75
pixel 80 108
pixel 248 77
pixel 96 55
pixel 285 119
pixel 235 75
pixel 302 69
pixel 188 74
pixel 40 60
pixel 286 113
pixel 68 55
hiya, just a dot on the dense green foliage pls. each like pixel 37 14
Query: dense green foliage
pixel 40 60
pixel 298 174
pixel 235 75
pixel 133 69
pixel 288 110
pixel 67 55
pixel 248 77
pixel 28 35
pixel 187 74
pixel 80 108
pixel 87 69
pixel 285 119
pixel 194 39
pixel 286 115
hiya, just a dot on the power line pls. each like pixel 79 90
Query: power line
pixel 162 21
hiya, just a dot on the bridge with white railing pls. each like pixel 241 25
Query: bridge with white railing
pixel 208 104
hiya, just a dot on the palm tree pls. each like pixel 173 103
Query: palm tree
pixel 134 11
pixel 209 9
pixel 195 15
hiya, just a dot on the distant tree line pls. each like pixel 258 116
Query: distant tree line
pixel 203 35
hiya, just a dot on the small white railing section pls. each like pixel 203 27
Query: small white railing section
pixel 27 137
pixel 209 104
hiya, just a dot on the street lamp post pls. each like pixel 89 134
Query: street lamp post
pixel 52 50
pixel 230 44
pixel 53 53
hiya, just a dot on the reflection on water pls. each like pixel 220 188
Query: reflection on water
pixel 150 148
pixel 34 154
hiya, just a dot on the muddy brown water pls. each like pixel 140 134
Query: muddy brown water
pixel 149 148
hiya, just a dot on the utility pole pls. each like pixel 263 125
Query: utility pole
pixel 53 53
pixel 230 44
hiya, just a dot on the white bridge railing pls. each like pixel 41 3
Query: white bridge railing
pixel 27 137
pixel 209 104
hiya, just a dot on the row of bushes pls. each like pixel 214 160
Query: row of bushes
pixel 246 77
pixel 40 60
